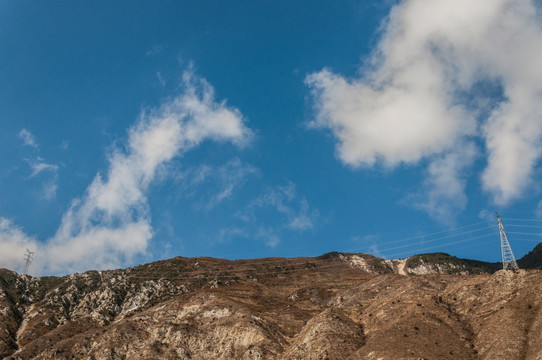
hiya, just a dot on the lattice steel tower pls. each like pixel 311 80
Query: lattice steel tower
pixel 508 259
pixel 28 257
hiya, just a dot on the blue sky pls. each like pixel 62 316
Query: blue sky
pixel 135 132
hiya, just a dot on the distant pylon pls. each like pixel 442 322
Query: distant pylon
pixel 508 259
pixel 28 257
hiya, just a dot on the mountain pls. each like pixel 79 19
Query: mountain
pixel 532 260
pixel 335 306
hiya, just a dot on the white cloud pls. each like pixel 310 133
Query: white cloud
pixel 110 224
pixel 27 138
pixel 394 124
pixel 418 97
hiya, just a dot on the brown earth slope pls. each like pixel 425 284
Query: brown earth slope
pixel 337 306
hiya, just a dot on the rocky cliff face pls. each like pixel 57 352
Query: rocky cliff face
pixel 337 306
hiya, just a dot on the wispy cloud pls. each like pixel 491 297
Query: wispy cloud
pixel 414 100
pixel 48 172
pixel 444 196
pixel 39 166
pixel 221 182
pixel 161 79
pixel 487 215
pixel 268 235
pixel 27 138
pixel 270 216
pixel 298 214
pixel 155 50
pixel 49 188
pixel 110 224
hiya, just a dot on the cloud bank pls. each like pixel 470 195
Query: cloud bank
pixel 448 81
pixel 110 224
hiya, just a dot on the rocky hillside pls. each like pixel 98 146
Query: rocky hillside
pixel 336 306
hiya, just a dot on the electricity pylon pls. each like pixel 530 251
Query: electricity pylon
pixel 28 257
pixel 508 259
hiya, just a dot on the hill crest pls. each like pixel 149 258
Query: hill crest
pixel 334 306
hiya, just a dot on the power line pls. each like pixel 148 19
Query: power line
pixel 530 240
pixel 425 237
pixel 255 268
pixel 401 254
pixel 524 233
pixel 288 266
pixel 524 226
pixel 447 237
pixel 440 245
pixel 251 269
pixel 533 220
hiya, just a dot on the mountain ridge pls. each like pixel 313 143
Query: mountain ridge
pixel 333 306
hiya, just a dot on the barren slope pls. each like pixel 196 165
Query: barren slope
pixel 337 306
